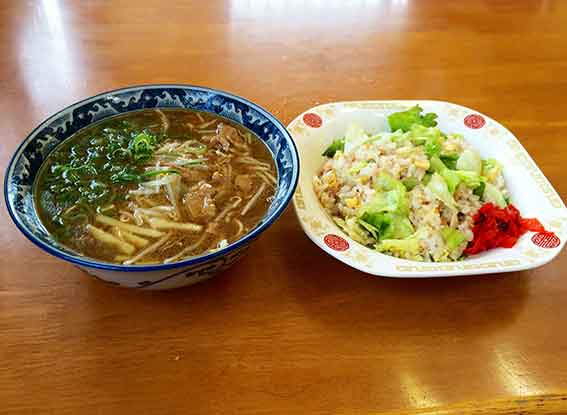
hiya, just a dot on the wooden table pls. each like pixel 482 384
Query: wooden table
pixel 288 330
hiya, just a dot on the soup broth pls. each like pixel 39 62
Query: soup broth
pixel 155 186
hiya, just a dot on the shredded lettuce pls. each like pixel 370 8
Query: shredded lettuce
pixel 385 182
pixel 409 247
pixel 394 191
pixel 493 195
pixel 410 183
pixel 352 228
pixel 357 167
pixel 450 176
pixel 449 160
pixel 337 145
pixel 436 165
pixel 354 137
pixel 438 187
pixel 391 201
pixel 372 230
pixel 398 136
pixel 404 120
pixel 453 177
pixel 453 238
pixel 471 179
pixel 430 137
pixel 386 225
pixel 400 227
pixel 491 169
pixel 470 160
pixel 375 223
pixel 479 191
pixel 387 212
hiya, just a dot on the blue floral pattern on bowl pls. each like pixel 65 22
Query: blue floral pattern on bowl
pixel 26 162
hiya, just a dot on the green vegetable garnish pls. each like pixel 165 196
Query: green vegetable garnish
pixel 493 195
pixel 153 173
pixel 450 176
pixel 337 145
pixel 387 225
pixel 470 179
pixel 142 147
pixel 449 160
pixel 410 183
pixel 439 188
pixel 357 167
pixel 354 137
pixel 400 227
pixel 374 232
pixel 479 191
pixel 453 177
pixel 430 137
pixel 83 175
pixel 470 160
pixel 404 120
pixel 453 238
pixel 409 247
pixel 386 214
pixel 491 169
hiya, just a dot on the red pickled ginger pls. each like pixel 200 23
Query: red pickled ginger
pixel 495 227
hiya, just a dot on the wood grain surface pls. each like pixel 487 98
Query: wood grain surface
pixel 288 330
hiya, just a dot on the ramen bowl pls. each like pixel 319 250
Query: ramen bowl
pixel 33 151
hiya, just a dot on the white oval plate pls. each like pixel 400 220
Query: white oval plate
pixel 530 190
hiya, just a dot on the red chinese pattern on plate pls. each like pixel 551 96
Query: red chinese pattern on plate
pixel 546 240
pixel 335 242
pixel 312 120
pixel 474 121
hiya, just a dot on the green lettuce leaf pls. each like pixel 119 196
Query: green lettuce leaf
pixel 470 160
pixel 379 221
pixel 372 230
pixel 357 167
pixel 439 188
pixel 404 120
pixel 409 247
pixel 479 191
pixel 450 176
pixel 354 137
pixel 453 238
pixel 387 225
pixel 352 228
pixel 400 227
pixel 410 183
pixel 449 160
pixel 491 169
pixel 337 145
pixel 471 179
pixel 430 137
pixel 386 214
pixel 493 195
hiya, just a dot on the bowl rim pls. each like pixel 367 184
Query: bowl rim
pixel 92 263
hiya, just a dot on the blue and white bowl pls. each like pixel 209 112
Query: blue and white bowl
pixel 26 162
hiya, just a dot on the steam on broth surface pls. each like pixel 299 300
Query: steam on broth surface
pixel 155 186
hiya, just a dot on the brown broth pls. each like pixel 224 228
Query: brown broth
pixel 211 163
